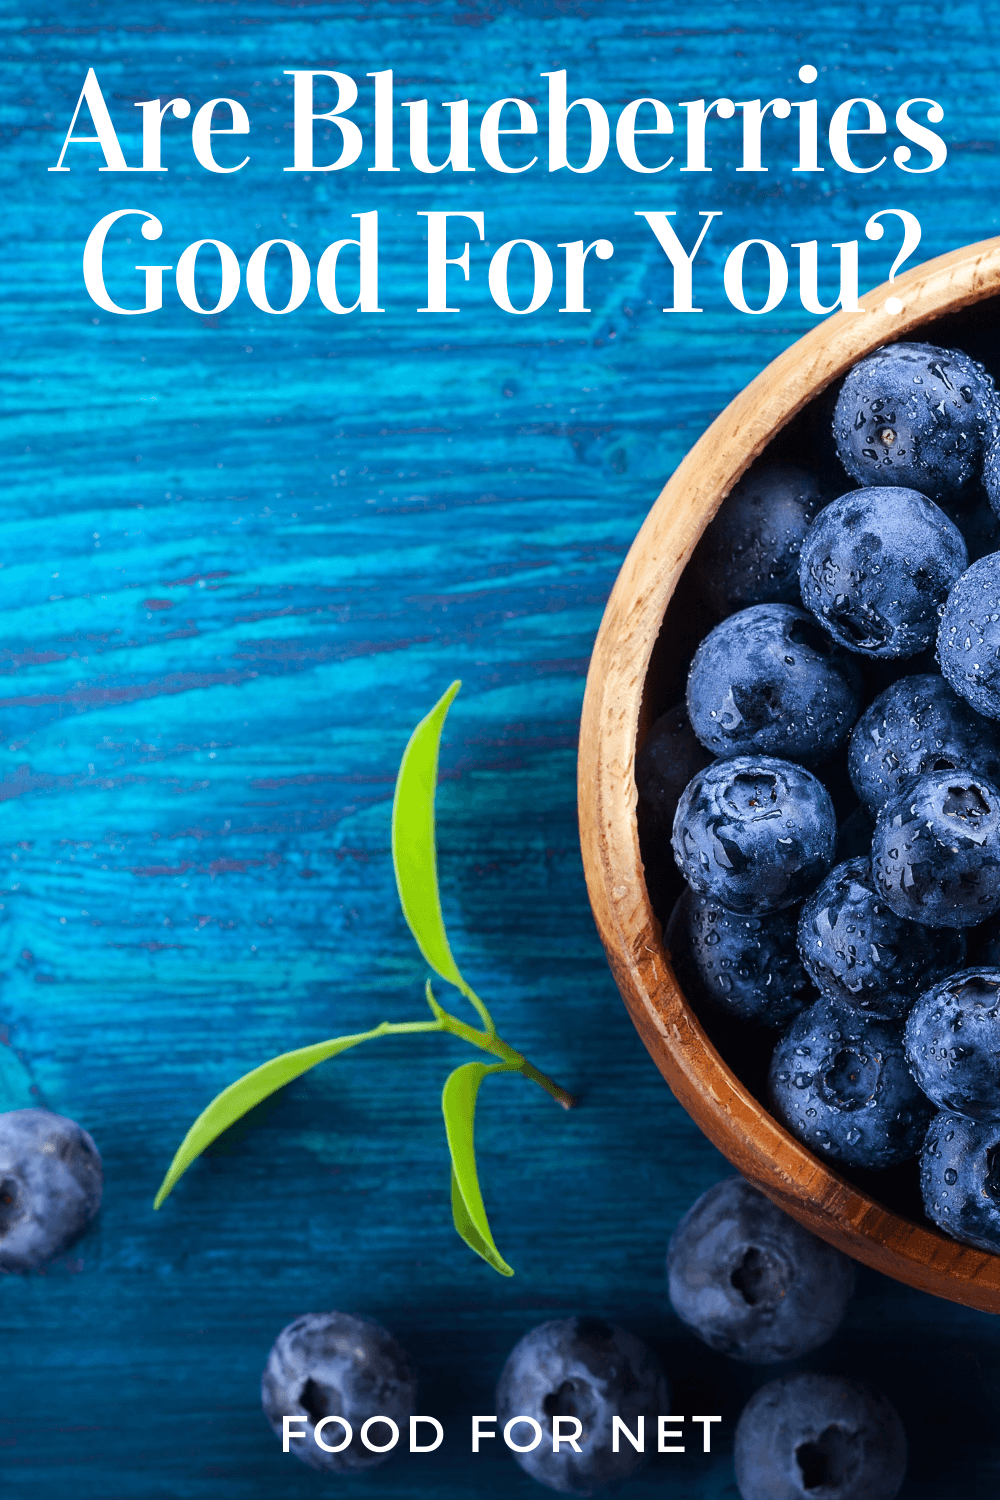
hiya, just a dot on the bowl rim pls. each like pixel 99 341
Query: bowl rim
pixel 737 1123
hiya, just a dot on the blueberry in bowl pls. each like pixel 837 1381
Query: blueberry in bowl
pixel 916 415
pixel 855 948
pixel 583 1371
pixel 877 566
pixel 839 1081
pixel 918 724
pixel 51 1182
pixel 335 1365
pixel 936 850
pixel 770 681
pixel 670 757
pixel 745 966
pixel 751 1282
pixel 968 639
pixel 755 833
pixel 960 1178
pixel 810 1435
pixel 750 552
pixel 953 1043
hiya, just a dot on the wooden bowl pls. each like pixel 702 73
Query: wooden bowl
pixel 645 642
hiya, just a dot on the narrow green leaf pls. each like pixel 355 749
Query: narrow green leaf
pixel 414 853
pixel 458 1104
pixel 226 1108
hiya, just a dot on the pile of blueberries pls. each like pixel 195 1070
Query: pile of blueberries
pixel 830 789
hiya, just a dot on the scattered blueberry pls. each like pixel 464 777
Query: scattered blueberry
pixel 670 756
pixel 968 640
pixel 769 681
pixel 839 1081
pixel 332 1364
pixel 953 1043
pixel 750 552
pixel 876 568
pixel 749 966
pixel 750 1281
pixel 919 724
pixel 50 1186
pixel 936 850
pixel 756 834
pixel 856 949
pixel 807 1436
pixel 916 415
pixel 960 1179
pixel 587 1369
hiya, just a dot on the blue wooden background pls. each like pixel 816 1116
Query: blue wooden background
pixel 241 556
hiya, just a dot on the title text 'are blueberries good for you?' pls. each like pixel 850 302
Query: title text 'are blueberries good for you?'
pixel 579 127
pixel 522 1434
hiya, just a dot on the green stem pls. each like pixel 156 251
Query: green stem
pixel 490 1042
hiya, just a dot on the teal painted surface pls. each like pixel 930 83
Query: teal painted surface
pixel 299 547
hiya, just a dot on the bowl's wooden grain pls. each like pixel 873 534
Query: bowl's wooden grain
pixel 614 715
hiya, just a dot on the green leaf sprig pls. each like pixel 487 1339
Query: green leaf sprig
pixel 414 858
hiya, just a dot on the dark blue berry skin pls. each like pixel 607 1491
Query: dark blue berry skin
pixel 670 756
pixel 936 850
pixel 960 1179
pixel 876 568
pixel 968 641
pixel 991 475
pixel 916 415
pixel 748 966
pixel 856 949
pixel 750 1281
pixel 750 552
pixel 919 724
pixel 754 833
pixel 819 1435
pixel 591 1370
pixel 840 1083
pixel 51 1182
pixel 333 1364
pixel 769 681
pixel 953 1043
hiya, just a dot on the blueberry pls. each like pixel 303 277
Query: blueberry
pixel 960 1179
pixel 750 1281
pixel 754 833
pixel 876 568
pixel 856 949
pixel 936 850
pixel 840 1082
pixel 807 1436
pixel 769 681
pixel 670 756
pixel 587 1369
pixel 916 415
pixel 749 966
pixel 750 552
pixel 953 1042
pixel 919 724
pixel 50 1186
pixel 968 640
pixel 991 475
pixel 333 1364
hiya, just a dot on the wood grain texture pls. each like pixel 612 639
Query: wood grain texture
pixel 202 791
